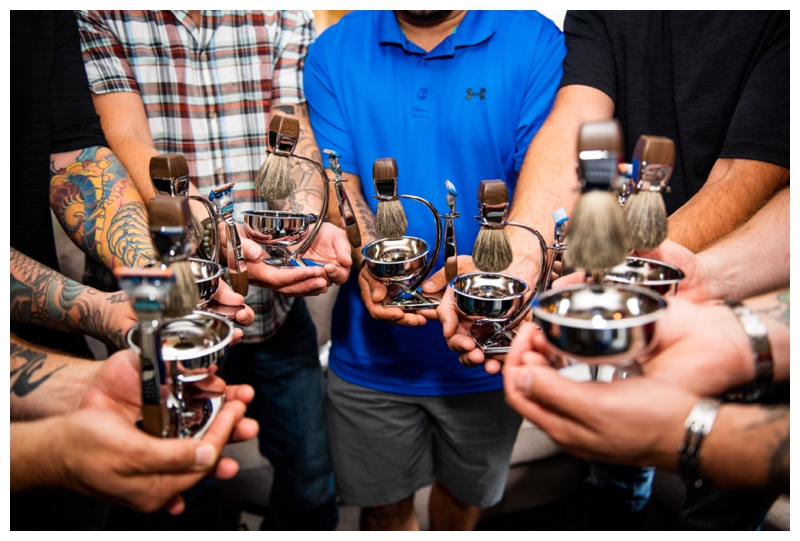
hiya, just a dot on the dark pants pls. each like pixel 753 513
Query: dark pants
pixel 288 405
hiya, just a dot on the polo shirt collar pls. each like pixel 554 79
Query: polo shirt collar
pixel 476 27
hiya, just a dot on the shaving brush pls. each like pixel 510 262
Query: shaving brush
pixel 645 212
pixel 274 178
pixel 597 233
pixel 492 249
pixel 390 218
pixel 170 219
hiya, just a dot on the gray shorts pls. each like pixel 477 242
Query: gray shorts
pixel 387 446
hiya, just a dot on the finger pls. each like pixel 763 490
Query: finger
pixel 492 366
pixel 226 468
pixel 246 316
pixel 336 274
pixel 447 314
pixel 436 282
pixel 243 392
pixel 570 279
pixel 226 295
pixel 175 506
pixel 246 429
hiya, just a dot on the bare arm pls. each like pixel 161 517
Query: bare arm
pixel 124 122
pixel 734 191
pixel 41 296
pixel 548 179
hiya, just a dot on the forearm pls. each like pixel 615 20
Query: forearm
pixel 364 215
pixel 762 243
pixel 773 309
pixel 31 452
pixel 309 183
pixel 124 121
pixel 45 382
pixel 734 191
pixel 748 448
pixel 548 179
pixel 99 208
pixel 41 296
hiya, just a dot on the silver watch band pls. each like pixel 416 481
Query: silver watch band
pixel 762 354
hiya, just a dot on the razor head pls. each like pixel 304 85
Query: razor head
pixel 652 163
pixel 147 288
pixel 333 161
pixel 600 152
pixel 222 198
pixel 492 202
pixel 170 174
pixel 384 176
pixel 283 134
pixel 171 226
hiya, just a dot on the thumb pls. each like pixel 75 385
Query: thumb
pixel 251 250
pixel 436 282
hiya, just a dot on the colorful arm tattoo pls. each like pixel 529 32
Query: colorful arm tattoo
pixel 99 207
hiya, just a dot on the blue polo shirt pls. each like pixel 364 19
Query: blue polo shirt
pixel 464 112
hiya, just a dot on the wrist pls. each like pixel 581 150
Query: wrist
pixel 697 426
pixel 758 354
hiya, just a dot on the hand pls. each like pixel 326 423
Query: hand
pixel 373 292
pixel 694 286
pixel 332 248
pixel 101 453
pixel 456 329
pixel 700 347
pixel 245 316
pixel 638 421
pixel 290 281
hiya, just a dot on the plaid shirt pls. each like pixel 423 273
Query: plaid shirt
pixel 208 93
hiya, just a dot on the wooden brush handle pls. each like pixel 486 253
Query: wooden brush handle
pixel 282 126
pixel 652 162
pixel 170 211
pixel 384 175
pixel 605 135
pixel 168 166
pixel 493 192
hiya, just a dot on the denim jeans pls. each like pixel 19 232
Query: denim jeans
pixel 288 405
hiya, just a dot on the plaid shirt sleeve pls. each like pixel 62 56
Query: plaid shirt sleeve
pixel 296 34
pixel 106 64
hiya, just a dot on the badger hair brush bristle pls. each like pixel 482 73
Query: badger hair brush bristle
pixel 274 178
pixel 597 234
pixel 492 250
pixel 646 216
pixel 390 217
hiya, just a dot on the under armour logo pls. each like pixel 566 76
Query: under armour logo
pixel 471 93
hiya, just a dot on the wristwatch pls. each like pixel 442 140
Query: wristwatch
pixel 762 354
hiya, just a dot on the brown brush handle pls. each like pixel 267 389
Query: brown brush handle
pixel 168 166
pixel 493 200
pixel 348 216
pixel 384 175
pixel 605 135
pixel 653 160
pixel 170 174
pixel 170 211
pixel 283 130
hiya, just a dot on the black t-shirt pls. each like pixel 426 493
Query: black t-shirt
pixel 716 83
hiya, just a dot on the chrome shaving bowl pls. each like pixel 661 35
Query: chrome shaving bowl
pixel 654 275
pixel 197 344
pixel 396 260
pixel 488 295
pixel 277 226
pixel 598 324
pixel 206 276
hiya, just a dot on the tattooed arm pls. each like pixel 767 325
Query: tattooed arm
pixel 41 296
pixel 99 207
pixel 45 382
